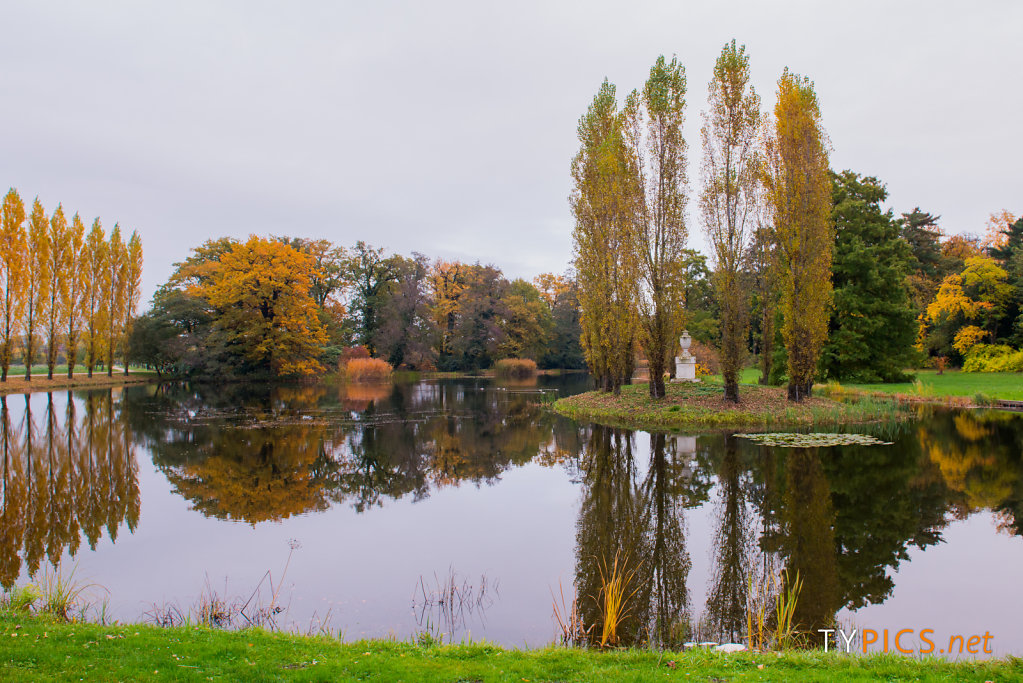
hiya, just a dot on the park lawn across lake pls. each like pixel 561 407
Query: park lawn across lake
pixel 37 649
pixel 994 385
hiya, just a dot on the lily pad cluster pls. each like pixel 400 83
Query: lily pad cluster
pixel 813 440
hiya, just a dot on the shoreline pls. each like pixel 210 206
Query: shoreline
pixel 702 405
pixel 16 384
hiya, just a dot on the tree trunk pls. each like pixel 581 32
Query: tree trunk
pixel 656 375
pixel 731 390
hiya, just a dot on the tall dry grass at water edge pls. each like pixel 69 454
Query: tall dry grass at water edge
pixel 367 370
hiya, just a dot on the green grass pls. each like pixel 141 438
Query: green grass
pixel 996 385
pixel 36 649
pixel 701 405
pixel 1003 385
pixel 18 369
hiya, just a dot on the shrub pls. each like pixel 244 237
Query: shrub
pixel 993 358
pixel 515 368
pixel 367 370
pixel 707 356
pixel 351 353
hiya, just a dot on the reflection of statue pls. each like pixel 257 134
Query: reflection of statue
pixel 685 364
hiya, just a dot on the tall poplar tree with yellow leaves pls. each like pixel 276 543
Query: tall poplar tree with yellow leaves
pixel 656 186
pixel 604 202
pixel 58 273
pixel 132 290
pixel 730 196
pixel 799 193
pixel 37 282
pixel 115 299
pixel 72 295
pixel 96 274
pixel 12 275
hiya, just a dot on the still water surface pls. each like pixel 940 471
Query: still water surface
pixel 379 499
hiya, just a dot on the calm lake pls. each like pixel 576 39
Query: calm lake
pixel 461 506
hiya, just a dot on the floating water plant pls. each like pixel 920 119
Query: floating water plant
pixel 813 440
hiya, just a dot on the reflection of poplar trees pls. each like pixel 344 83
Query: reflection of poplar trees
pixel 610 524
pixel 726 605
pixel 641 523
pixel 810 542
pixel 14 502
pixel 668 562
pixel 63 480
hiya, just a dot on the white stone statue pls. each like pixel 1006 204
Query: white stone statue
pixel 685 364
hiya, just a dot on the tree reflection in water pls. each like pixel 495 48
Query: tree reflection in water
pixel 844 517
pixel 67 478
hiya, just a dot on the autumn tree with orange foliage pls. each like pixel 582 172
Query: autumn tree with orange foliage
pixel 96 274
pixel 37 282
pixel 58 273
pixel 13 242
pixel 72 296
pixel 265 315
pixel 132 290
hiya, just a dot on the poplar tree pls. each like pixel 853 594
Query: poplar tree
pixel 57 271
pixel 657 163
pixel 37 282
pixel 799 192
pixel 729 198
pixel 132 290
pixel 603 203
pixel 12 275
pixel 72 295
pixel 96 277
pixel 115 295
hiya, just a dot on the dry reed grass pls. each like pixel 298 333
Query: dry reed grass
pixel 515 368
pixel 367 370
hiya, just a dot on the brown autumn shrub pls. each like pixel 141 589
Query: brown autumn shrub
pixel 351 353
pixel 515 368
pixel 707 356
pixel 367 370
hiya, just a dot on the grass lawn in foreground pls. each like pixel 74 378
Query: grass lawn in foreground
pixel 35 649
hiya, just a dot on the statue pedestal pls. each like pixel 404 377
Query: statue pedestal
pixel 685 368
pixel 685 364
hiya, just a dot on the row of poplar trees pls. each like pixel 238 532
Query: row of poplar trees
pixel 765 204
pixel 63 288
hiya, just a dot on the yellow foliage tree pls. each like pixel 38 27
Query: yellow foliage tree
pixel 996 231
pixel 551 286
pixel 58 271
pixel 730 198
pixel 447 280
pixel 604 203
pixel 132 290
pixel 96 277
pixel 12 275
pixel 799 193
pixel 37 282
pixel 266 314
pixel 653 121
pixel 116 295
pixel 73 294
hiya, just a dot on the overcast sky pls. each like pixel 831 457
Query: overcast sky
pixel 448 128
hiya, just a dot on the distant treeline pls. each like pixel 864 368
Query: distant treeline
pixel 285 306
pixel 63 288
